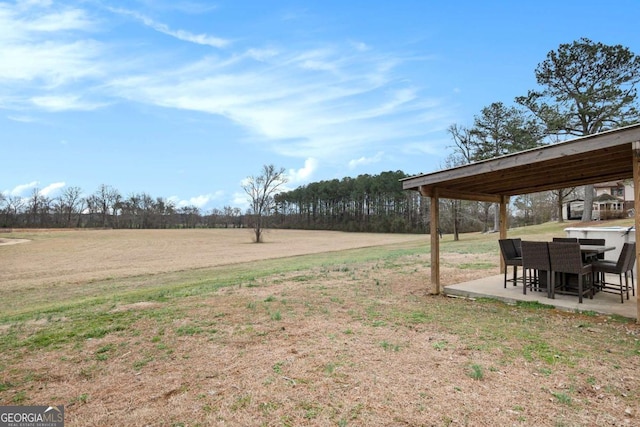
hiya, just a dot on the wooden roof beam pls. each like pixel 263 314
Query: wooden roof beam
pixel 447 193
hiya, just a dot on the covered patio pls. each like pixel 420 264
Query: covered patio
pixel 607 156
pixel 491 287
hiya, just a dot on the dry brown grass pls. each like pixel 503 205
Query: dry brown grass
pixel 354 340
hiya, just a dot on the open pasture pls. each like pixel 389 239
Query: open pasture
pixel 59 265
pixel 202 327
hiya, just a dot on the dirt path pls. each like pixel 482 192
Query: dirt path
pixel 5 242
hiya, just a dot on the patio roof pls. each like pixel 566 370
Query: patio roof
pixel 607 156
pixel 588 160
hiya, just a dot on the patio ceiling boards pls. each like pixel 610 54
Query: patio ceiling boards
pixel 591 159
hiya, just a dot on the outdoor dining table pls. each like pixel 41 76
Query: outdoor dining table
pixel 589 252
pixel 595 249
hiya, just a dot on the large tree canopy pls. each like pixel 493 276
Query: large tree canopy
pixel 496 131
pixel 587 88
pixel 500 130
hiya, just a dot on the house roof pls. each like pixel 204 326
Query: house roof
pixel 607 198
pixel 592 159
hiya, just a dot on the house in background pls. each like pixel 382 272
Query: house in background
pixel 611 200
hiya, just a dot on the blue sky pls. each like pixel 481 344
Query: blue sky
pixel 185 99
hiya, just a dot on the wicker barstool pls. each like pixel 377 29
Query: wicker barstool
pixel 623 265
pixel 566 258
pixel 535 259
pixel 511 258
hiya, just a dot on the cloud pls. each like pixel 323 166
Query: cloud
pixel 69 19
pixel 240 200
pixel 200 201
pixel 360 46
pixel 24 189
pixel 21 119
pixel 187 36
pixel 58 63
pixel 366 160
pixel 304 173
pixel 325 104
pixel 21 189
pixel 30 30
pixel 45 52
pixel 65 103
pixel 52 188
pixel 330 103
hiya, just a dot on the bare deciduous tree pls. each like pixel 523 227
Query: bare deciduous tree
pixel 261 190
pixel 71 203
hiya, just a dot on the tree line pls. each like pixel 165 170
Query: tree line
pixel 372 203
pixel 107 208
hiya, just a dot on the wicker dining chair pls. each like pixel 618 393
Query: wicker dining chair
pixel 511 258
pixel 566 258
pixel 622 266
pixel 565 239
pixel 535 260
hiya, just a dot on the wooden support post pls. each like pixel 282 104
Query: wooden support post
pixel 504 219
pixel 435 242
pixel 636 205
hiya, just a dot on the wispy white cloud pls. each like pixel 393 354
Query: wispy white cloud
pixel 353 164
pixel 57 63
pixel 184 6
pixel 46 49
pixel 361 46
pixel 65 103
pixel 24 190
pixel 22 119
pixel 322 104
pixel 69 19
pixel 328 103
pixel 52 188
pixel 202 39
pixel 20 190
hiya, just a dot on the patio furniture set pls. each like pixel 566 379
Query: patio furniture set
pixel 568 266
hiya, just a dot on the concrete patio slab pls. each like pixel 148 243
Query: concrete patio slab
pixel 493 287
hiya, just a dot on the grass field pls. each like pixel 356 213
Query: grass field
pixel 202 327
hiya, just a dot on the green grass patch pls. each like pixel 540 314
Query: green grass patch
pixel 276 315
pixel 390 346
pixel 476 372
pixel 188 330
pixel 440 345
pixel 81 327
pixel 563 398
pixel 541 351
pixel 534 305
